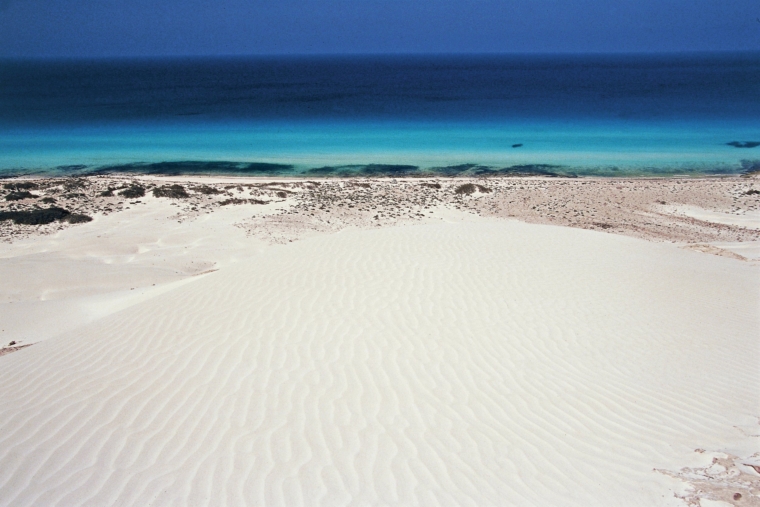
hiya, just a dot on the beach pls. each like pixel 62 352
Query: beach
pixel 219 340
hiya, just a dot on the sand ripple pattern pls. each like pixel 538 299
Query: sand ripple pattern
pixel 453 364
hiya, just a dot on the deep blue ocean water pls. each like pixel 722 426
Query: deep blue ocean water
pixel 398 115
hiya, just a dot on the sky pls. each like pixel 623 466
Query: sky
pixel 145 28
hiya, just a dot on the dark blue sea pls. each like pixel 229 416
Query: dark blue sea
pixel 607 115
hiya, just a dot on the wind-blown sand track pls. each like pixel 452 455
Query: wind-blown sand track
pixel 480 363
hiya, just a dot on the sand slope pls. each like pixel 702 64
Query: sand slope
pixel 53 283
pixel 487 363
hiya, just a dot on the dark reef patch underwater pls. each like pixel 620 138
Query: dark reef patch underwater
pixel 193 167
pixel 263 169
pixel 744 144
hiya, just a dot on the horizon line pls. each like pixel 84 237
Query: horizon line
pixel 377 54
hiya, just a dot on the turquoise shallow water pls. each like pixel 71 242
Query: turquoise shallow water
pixel 579 148
pixel 579 115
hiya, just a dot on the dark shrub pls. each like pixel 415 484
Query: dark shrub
pixel 133 192
pixel 470 188
pixel 76 218
pixel 73 184
pixel 234 200
pixel 35 217
pixel 467 188
pixel 207 190
pixel 48 200
pixel 20 185
pixel 17 196
pixel 171 191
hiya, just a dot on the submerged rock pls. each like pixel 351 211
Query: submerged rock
pixel 744 144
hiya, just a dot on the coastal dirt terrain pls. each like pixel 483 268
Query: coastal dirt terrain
pixel 655 209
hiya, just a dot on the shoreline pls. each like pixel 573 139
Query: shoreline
pixel 377 170
pixel 688 211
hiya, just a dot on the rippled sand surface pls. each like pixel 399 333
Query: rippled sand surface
pixel 473 363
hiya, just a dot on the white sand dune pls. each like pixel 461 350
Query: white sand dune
pixel 750 250
pixel 53 284
pixel 481 363
pixel 748 219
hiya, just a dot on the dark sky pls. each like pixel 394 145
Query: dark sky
pixel 215 27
